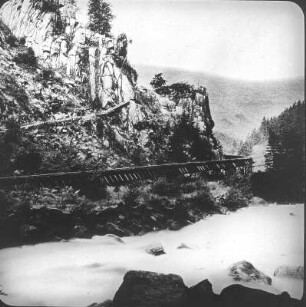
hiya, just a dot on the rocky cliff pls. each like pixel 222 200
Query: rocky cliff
pixel 60 42
pixel 74 75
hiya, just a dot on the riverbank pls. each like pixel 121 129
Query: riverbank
pixel 82 271
pixel 36 215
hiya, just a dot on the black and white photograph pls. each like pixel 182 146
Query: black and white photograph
pixel 152 153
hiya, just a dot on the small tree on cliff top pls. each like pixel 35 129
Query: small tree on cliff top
pixel 158 81
pixel 100 16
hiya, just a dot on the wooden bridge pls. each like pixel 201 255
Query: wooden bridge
pixel 121 176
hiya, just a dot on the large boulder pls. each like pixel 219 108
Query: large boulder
pixel 240 296
pixel 148 289
pixel 245 271
pixel 202 295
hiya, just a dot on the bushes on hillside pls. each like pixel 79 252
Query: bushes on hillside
pixel 158 81
pixel 187 143
pixel 234 199
pixel 48 6
pixel 53 213
pixel 26 57
pixel 240 191
pixel 28 161
pixel 165 187
pixel 12 40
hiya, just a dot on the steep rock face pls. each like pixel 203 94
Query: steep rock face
pixel 62 43
pixel 79 74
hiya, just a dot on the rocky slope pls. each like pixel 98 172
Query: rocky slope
pixel 69 101
pixel 78 75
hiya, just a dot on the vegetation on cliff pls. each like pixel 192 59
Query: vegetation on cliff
pixel 171 124
pixel 100 16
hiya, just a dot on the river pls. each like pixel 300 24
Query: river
pixel 82 271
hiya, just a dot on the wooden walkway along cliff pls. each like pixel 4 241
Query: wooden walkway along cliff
pixel 120 176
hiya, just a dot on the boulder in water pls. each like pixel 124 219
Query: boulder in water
pixel 113 239
pixel 155 249
pixel 290 271
pixel 107 303
pixel 245 271
pixel 112 228
pixel 183 246
pixel 148 289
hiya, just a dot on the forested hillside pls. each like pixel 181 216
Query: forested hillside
pixel 285 153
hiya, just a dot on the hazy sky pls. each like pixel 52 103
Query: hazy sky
pixel 244 39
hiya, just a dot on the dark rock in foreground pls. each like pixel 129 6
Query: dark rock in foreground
pixel 148 289
pixel 202 295
pixel 240 296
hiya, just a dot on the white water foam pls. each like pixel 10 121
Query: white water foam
pixel 82 271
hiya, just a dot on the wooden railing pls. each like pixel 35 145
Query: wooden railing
pixel 127 175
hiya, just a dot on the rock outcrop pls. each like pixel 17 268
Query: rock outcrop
pixel 245 271
pixel 81 73
pixel 142 289
pixel 51 29
pixel 99 63
pixel 148 289
pixel 58 83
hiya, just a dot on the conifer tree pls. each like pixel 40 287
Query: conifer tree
pixel 100 16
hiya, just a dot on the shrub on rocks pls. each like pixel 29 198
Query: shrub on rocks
pixel 26 57
pixel 80 231
pixel 165 187
pixel 12 40
pixel 131 197
pixel 234 199
pixel 28 232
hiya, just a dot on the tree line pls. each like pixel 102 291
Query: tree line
pixel 285 153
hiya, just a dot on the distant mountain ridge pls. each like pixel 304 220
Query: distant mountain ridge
pixel 237 106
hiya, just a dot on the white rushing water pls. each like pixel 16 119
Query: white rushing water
pixel 83 271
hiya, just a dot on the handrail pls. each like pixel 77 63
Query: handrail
pixel 127 174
